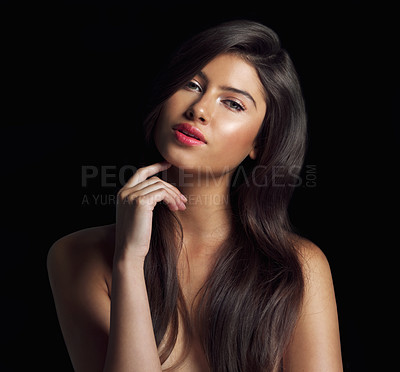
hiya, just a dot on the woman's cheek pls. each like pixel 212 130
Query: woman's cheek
pixel 235 142
pixel 238 136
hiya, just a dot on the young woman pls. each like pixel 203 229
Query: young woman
pixel 201 271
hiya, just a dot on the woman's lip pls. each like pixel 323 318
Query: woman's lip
pixel 187 140
pixel 190 131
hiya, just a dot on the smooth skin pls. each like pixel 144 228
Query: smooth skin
pixel 97 274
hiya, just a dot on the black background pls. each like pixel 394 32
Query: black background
pixel 74 79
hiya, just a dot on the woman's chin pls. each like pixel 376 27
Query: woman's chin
pixel 182 163
pixel 191 166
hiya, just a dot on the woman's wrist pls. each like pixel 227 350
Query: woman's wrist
pixel 128 262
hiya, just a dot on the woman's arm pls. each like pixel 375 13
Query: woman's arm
pixel 126 342
pixel 131 345
pixel 315 346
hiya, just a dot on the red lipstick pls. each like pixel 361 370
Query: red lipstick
pixel 189 135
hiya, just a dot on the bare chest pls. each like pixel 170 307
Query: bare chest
pixel 192 278
pixel 195 360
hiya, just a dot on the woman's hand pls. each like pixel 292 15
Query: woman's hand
pixel 135 204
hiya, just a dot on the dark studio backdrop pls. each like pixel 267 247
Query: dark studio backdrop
pixel 75 75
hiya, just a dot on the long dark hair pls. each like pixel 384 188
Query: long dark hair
pixel 248 308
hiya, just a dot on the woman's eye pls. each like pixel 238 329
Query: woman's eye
pixel 193 86
pixel 234 105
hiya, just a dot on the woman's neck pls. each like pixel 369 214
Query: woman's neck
pixel 207 217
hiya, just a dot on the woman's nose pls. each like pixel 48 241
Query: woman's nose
pixel 198 112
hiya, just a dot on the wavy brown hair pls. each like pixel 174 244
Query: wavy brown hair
pixel 248 308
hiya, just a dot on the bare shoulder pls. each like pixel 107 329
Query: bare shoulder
pixel 312 259
pixel 318 283
pixel 315 345
pixel 97 235
pixel 84 252
pixel 79 267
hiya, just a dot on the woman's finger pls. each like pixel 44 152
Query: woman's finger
pixel 145 172
pixel 155 193
pixel 154 180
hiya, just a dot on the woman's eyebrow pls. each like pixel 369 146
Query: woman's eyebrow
pixel 202 75
pixel 240 91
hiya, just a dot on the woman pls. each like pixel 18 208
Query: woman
pixel 201 271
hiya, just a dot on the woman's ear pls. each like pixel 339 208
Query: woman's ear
pixel 253 153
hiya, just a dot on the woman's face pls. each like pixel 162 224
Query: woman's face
pixel 225 101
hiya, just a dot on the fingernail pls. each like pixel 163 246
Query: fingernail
pixel 173 207
pixel 183 197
